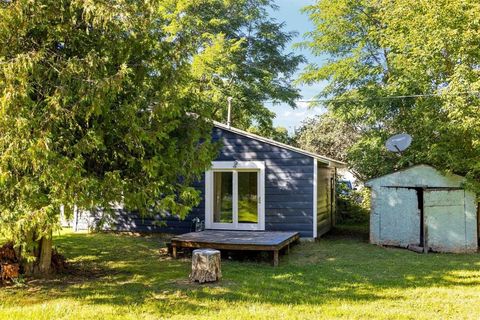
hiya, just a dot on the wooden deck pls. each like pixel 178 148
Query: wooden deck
pixel 236 240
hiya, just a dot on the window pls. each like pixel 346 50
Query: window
pixel 234 195
pixel 223 197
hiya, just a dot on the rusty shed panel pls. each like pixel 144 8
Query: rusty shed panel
pixel 450 212
pixel 395 218
pixel 445 220
pixel 471 221
pixel 444 198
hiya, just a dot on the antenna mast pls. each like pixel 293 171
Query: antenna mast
pixel 229 115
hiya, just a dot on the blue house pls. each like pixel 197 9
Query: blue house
pixel 255 183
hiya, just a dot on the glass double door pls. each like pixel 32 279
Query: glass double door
pixel 236 199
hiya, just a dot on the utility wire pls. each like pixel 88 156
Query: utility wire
pixel 333 100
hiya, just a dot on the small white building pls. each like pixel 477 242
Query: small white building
pixel 421 207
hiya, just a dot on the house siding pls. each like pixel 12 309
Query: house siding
pixel 288 180
pixel 325 207
pixel 133 222
pixel 288 189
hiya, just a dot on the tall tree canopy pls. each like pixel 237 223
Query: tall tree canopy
pixel 106 102
pixel 255 68
pixel 325 134
pixel 403 66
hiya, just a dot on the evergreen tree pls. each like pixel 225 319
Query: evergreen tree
pixel 105 102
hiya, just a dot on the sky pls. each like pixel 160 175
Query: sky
pixel 289 12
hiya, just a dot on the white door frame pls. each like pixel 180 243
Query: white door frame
pixel 235 167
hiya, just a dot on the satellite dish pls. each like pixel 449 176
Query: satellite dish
pixel 399 142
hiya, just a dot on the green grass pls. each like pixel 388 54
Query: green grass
pixel 126 277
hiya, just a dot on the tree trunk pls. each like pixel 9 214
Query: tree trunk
pixel 42 252
pixel 28 266
pixel 206 265
pixel 44 259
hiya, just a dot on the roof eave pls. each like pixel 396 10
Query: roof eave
pixel 328 161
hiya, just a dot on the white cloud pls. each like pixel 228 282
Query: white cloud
pixel 294 113
pixel 303 105
pixel 292 118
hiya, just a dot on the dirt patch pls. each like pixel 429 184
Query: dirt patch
pixel 77 273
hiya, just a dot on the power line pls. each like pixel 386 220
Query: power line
pixel 333 100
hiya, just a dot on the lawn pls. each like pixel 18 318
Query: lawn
pixel 127 277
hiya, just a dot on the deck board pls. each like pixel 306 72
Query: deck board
pixel 265 238
pixel 236 240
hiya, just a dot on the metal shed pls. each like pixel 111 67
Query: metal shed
pixel 420 207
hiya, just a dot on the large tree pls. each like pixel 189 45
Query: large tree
pixel 105 102
pixel 402 66
pixel 256 67
pixel 327 135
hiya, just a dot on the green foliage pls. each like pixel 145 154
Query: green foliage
pixel 380 49
pixel 94 111
pixel 279 134
pixel 353 206
pixel 326 135
pixel 249 62
pixel 108 102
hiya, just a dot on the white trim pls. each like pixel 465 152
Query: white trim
pixel 326 160
pixel 261 199
pixel 238 165
pixel 235 200
pixel 208 197
pixel 315 182
pixel 235 167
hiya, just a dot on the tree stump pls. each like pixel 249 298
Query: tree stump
pixel 206 265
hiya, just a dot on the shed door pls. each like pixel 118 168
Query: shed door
pixel 445 222
pixel 398 217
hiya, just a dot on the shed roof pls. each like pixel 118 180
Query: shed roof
pixel 420 175
pixel 326 160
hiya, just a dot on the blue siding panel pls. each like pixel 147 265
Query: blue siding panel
pixel 288 188
pixel 288 185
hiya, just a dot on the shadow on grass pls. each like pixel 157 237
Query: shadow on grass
pixel 358 232
pixel 338 267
